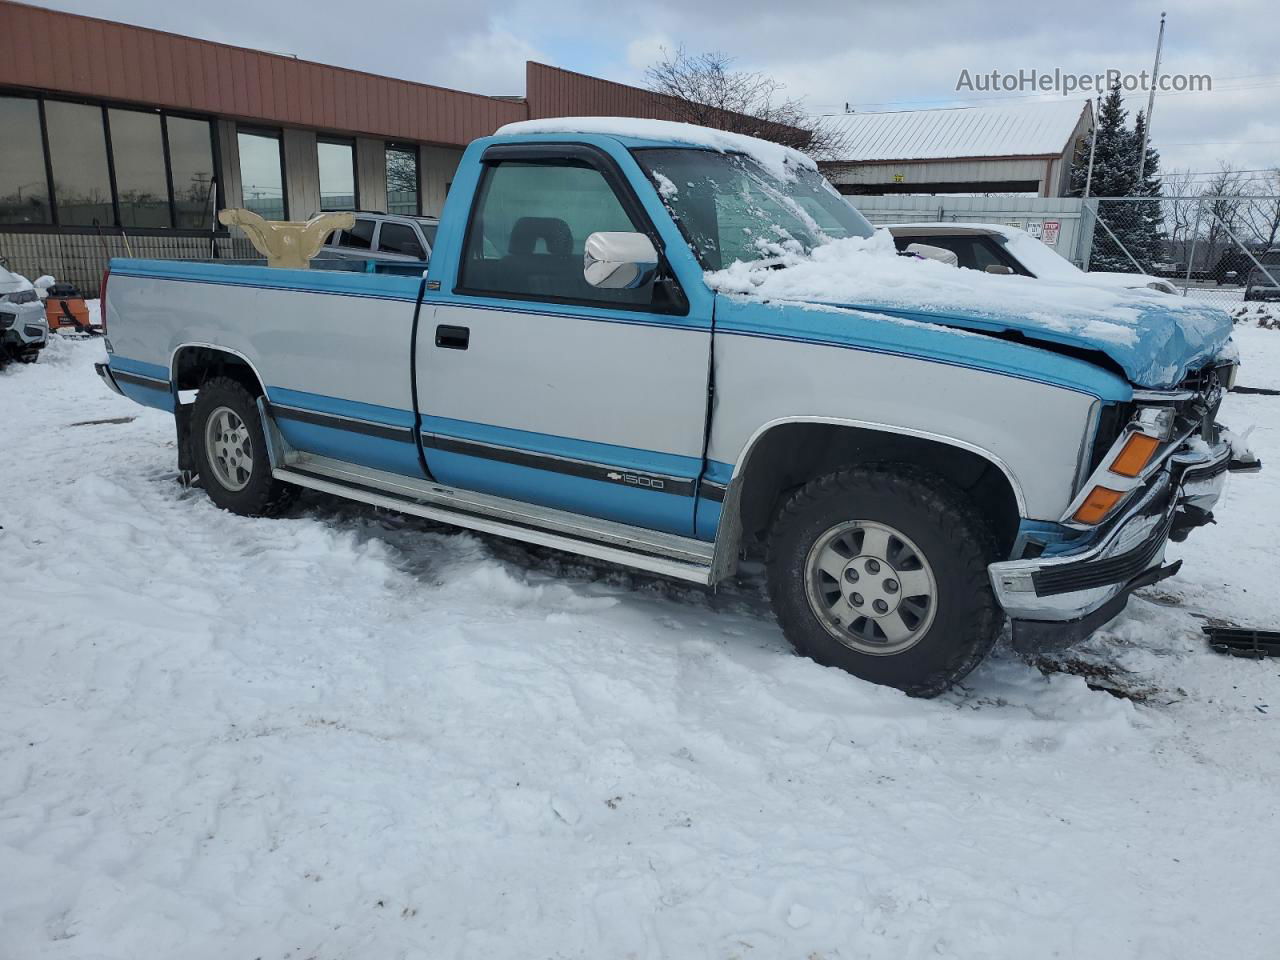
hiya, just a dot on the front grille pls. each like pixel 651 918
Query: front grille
pixel 6 320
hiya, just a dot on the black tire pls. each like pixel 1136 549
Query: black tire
pixel 947 531
pixel 262 495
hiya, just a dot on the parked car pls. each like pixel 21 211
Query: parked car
pixel 585 366
pixel 383 237
pixel 996 248
pixel 1264 283
pixel 23 330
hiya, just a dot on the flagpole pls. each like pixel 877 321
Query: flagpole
pixel 1093 148
pixel 1151 104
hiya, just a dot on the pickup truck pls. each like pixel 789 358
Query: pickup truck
pixel 673 348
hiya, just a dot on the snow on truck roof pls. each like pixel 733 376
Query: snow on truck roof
pixel 774 157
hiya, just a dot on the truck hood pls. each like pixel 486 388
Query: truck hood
pixel 1155 347
pixel 1155 339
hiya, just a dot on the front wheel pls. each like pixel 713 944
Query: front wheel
pixel 231 451
pixel 882 571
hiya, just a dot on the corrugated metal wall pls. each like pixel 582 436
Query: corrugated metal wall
pixel 51 50
pixel 1022 212
pixel 976 172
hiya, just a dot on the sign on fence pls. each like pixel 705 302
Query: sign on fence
pixel 1049 233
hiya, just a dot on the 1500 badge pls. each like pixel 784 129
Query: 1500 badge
pixel 635 480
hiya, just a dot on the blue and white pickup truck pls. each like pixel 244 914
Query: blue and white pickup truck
pixel 672 348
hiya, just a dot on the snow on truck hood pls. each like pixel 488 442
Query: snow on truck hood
pixel 1154 338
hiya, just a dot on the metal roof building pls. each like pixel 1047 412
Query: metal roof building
pixel 1022 148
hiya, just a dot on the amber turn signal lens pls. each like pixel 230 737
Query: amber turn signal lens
pixel 1135 455
pixel 1097 505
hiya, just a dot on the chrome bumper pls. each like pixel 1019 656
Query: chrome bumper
pixel 1065 597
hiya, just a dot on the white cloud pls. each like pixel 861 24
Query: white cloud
pixel 648 49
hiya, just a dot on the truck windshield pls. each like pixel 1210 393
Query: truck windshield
pixel 730 208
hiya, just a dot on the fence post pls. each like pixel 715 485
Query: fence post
pixel 1195 238
pixel 1083 244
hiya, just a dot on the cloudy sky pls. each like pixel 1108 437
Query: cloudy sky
pixel 874 56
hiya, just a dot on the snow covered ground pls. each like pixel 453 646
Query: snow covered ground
pixel 343 734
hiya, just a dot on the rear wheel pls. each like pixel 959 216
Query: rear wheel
pixel 882 572
pixel 231 451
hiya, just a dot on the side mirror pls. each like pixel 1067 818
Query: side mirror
pixel 930 252
pixel 999 268
pixel 618 261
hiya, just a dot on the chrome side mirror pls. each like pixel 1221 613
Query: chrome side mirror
pixel 930 252
pixel 618 261
pixel 999 268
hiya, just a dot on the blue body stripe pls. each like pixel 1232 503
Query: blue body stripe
pixel 129 365
pixel 650 461
pixel 320 403
pixel 351 447
pixel 611 501
pixel 161 398
pixel 382 286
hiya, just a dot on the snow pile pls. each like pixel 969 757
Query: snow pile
pixel 343 734
pixel 869 272
pixel 780 161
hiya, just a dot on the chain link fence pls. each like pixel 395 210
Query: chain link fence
pixel 1222 249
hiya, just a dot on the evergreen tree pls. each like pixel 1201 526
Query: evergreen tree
pixel 1144 233
pixel 1113 174
pixel 1137 224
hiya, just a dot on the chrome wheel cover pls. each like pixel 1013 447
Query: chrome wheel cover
pixel 228 449
pixel 871 587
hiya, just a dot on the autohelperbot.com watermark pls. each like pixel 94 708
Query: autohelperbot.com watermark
pixel 1061 81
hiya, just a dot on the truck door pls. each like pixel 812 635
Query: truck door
pixel 536 386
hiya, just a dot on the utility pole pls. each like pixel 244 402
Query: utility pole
pixel 1151 104
pixel 1093 147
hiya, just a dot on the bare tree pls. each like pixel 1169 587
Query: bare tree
pixel 704 89
pixel 1262 214
pixel 1182 205
pixel 1222 195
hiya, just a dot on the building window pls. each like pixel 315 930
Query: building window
pixel 337 162
pixel 78 152
pixel 191 170
pixel 262 174
pixel 110 166
pixel 402 179
pixel 24 183
pixel 137 153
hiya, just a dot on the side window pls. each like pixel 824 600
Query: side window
pixel 984 254
pixel 400 238
pixel 528 228
pixel 359 237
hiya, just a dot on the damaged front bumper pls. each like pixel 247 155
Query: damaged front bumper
pixel 1056 600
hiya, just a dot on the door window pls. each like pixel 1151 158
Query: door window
pixel 359 237
pixel 400 238
pixel 528 228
